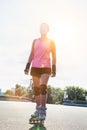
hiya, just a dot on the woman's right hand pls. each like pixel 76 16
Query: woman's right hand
pixel 26 71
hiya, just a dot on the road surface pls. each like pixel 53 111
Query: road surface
pixel 15 116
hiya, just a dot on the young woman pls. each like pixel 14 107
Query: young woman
pixel 43 64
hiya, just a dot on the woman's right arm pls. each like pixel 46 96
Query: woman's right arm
pixel 31 53
pixel 29 59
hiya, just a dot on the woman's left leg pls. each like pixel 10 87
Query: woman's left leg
pixel 43 95
pixel 43 87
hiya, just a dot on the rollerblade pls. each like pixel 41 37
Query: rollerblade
pixel 39 116
pixel 35 117
pixel 42 113
pixel 36 113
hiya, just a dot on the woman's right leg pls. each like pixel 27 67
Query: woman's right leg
pixel 36 83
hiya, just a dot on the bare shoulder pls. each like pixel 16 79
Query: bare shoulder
pixel 52 45
pixel 35 40
pixel 51 41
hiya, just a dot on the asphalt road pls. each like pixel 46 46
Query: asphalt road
pixel 15 116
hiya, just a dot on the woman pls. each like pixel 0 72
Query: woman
pixel 43 65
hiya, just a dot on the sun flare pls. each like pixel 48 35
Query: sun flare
pixel 63 33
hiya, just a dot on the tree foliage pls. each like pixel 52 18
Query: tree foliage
pixel 54 95
pixel 8 93
pixel 20 91
pixel 75 93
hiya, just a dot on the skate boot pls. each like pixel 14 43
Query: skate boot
pixel 42 113
pixel 36 113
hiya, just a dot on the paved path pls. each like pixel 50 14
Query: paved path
pixel 15 116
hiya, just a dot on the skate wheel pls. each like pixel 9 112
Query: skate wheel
pixel 42 122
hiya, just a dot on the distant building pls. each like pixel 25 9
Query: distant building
pixel 0 91
pixel 65 95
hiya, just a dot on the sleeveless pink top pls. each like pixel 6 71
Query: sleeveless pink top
pixel 41 57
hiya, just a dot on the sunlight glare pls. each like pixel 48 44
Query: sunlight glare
pixel 63 33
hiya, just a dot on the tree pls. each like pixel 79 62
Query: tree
pixel 8 93
pixel 75 93
pixel 20 91
pixel 49 95
pixel 55 95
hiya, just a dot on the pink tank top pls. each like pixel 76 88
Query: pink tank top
pixel 41 57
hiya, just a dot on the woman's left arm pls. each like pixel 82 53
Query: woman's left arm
pixel 53 52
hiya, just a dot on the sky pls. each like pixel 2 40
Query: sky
pixel 19 26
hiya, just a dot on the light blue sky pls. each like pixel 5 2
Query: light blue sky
pixel 19 25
